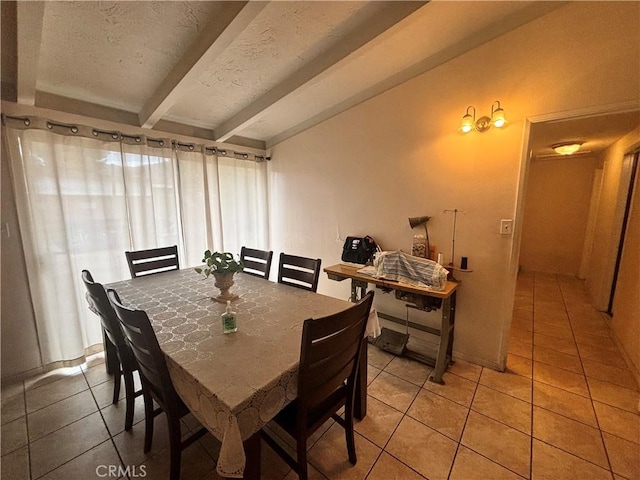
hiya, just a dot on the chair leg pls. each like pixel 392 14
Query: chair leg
pixel 130 396
pixel 349 435
pixel 117 378
pixel 175 448
pixel 302 458
pixel 148 421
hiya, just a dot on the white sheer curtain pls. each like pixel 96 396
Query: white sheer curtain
pixel 223 202
pixel 196 204
pixel 85 196
pixel 149 173
pixel 243 203
pixel 82 202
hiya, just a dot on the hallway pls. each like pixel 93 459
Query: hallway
pixel 585 399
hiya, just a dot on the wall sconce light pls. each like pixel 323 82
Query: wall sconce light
pixel 496 119
pixel 567 148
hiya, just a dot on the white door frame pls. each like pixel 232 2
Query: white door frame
pixel 525 159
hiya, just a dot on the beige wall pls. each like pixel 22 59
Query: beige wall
pixel 626 304
pixel 606 236
pixel 399 155
pixel 556 213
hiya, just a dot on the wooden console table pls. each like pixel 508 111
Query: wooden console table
pixel 421 298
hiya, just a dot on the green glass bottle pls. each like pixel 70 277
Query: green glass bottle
pixel 229 324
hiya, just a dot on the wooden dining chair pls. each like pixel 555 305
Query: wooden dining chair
pixel 118 354
pixel 299 272
pixel 156 382
pixel 154 260
pixel 256 262
pixel 329 359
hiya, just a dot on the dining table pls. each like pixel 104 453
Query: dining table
pixel 235 383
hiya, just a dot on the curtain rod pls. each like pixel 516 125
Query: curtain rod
pixel 42 123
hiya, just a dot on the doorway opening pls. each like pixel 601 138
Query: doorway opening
pixel 599 132
pixel 555 199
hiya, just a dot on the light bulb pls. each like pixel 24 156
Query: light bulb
pixel 467 123
pixel 498 117
pixel 567 148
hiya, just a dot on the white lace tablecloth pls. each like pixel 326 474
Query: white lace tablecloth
pixel 235 383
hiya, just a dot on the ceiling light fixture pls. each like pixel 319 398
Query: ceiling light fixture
pixel 567 148
pixel 496 119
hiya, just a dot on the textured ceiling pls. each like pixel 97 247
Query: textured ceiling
pixel 250 73
pixel 436 27
pixel 283 38
pixel 115 53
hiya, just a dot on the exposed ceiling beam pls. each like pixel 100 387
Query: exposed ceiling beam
pixel 486 34
pixel 30 20
pixel 80 107
pixel 388 16
pixel 9 49
pixel 227 23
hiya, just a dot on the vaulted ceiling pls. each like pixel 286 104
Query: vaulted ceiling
pixel 251 73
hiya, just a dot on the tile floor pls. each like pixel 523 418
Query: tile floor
pixel 567 408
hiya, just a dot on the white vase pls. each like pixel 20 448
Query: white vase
pixel 224 281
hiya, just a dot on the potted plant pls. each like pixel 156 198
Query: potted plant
pixel 222 266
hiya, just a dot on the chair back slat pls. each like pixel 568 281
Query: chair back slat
pixel 328 376
pixel 321 371
pixel 145 359
pixel 299 272
pixel 256 262
pixel 330 353
pixel 330 345
pixel 146 349
pixel 155 260
pixel 153 379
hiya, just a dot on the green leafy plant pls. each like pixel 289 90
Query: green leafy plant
pixel 218 262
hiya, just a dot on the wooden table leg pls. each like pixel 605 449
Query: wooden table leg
pixel 252 452
pixel 360 407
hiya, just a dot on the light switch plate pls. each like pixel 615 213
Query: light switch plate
pixel 506 227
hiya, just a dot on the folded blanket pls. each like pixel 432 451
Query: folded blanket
pixel 402 267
